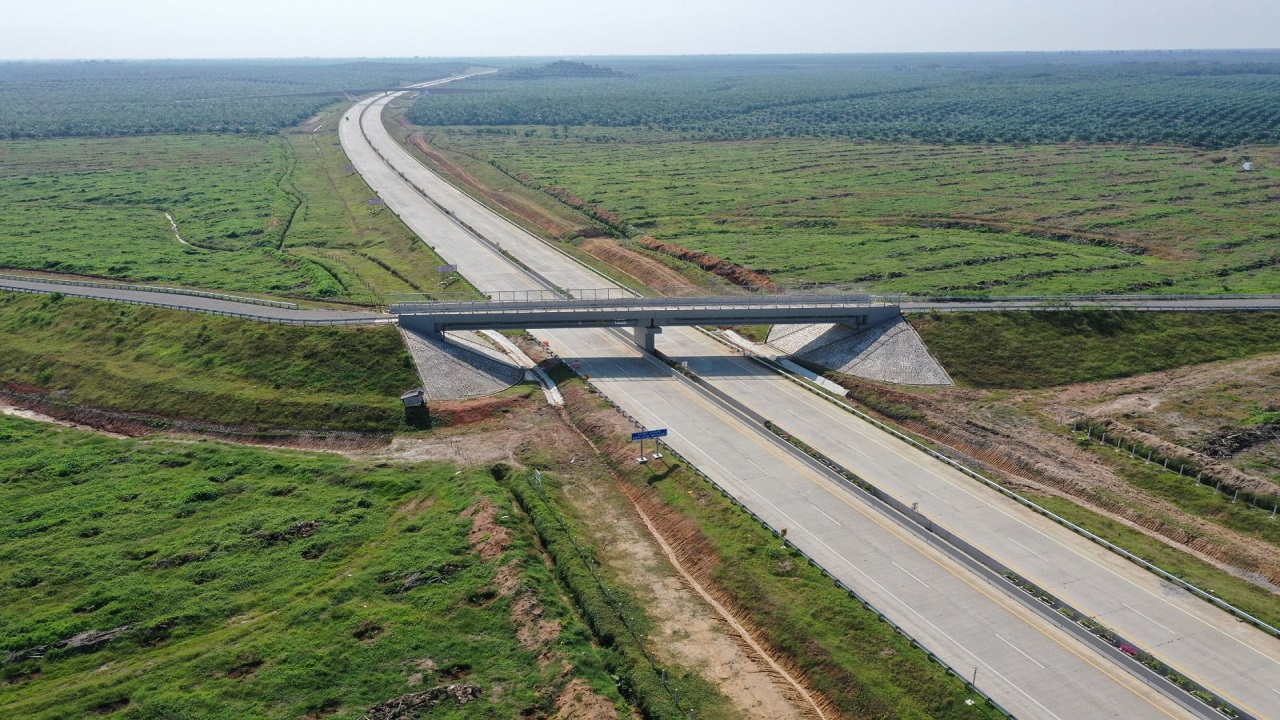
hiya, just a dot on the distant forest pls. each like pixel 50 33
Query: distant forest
pixel 87 98
pixel 1206 99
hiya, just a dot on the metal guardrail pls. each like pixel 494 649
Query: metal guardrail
pixel 152 288
pixel 630 302
pixel 225 313
pixel 1064 299
pixel 1031 505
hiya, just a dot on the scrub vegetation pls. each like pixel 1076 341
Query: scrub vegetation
pixel 909 218
pixel 156 579
pixel 281 215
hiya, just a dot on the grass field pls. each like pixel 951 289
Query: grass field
pixel 366 247
pixel 1032 350
pixel 249 583
pixel 213 369
pixel 280 215
pixel 977 219
pixel 97 207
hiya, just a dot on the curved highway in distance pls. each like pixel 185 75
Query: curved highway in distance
pixel 1027 664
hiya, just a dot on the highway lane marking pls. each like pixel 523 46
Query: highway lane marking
pixel 955 643
pixel 1024 547
pixel 896 534
pixel 1134 610
pixel 908 572
pixel 1000 600
pixel 1015 647
pixel 936 495
pixel 815 507
pixel 1123 679
pixel 872 434
pixel 865 430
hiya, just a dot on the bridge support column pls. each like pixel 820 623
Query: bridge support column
pixel 644 338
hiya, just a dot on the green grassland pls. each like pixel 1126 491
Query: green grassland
pixel 279 215
pixel 97 207
pixel 365 247
pixel 222 370
pixel 260 584
pixel 977 219
pixel 1044 349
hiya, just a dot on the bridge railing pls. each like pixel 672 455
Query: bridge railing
pixel 630 302
pixel 1052 299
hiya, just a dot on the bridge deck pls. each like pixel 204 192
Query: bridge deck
pixel 647 315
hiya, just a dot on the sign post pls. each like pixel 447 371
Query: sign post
pixel 648 435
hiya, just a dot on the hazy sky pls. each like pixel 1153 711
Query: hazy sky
pixel 440 28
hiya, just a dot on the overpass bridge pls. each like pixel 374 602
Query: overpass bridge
pixel 645 316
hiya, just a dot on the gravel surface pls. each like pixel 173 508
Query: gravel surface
pixel 892 352
pixel 461 365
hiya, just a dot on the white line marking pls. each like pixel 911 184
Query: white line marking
pixel 815 507
pixel 1024 547
pixel 913 577
pixel 1135 611
pixel 1015 647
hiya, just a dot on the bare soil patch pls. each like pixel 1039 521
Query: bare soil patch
pixel 696 626
pixel 488 536
pixel 637 265
pixel 9 409
pixel 579 702
pixel 734 273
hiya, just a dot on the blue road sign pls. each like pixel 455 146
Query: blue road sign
pixel 447 268
pixel 649 434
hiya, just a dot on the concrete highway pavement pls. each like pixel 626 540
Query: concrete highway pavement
pixel 1028 666
pixel 1240 662
pixel 1237 660
pixel 962 619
